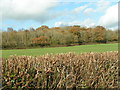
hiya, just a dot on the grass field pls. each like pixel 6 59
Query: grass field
pixel 76 49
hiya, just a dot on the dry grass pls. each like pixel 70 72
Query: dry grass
pixel 70 70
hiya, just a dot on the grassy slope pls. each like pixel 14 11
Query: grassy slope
pixel 77 49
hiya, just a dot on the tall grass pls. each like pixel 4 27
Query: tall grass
pixel 70 70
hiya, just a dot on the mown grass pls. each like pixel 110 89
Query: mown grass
pixel 55 50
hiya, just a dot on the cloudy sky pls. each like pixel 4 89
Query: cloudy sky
pixel 34 13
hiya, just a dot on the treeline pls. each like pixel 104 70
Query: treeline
pixel 56 36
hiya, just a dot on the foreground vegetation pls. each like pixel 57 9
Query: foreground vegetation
pixel 70 70
pixel 77 49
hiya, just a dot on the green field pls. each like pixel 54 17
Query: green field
pixel 77 49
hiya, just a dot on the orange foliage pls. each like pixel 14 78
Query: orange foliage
pixel 44 27
pixel 40 40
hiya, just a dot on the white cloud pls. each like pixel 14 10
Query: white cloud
pixel 26 9
pixel 79 9
pixel 87 22
pixel 114 28
pixel 62 23
pixel 89 10
pixel 110 19
pixel 102 5
pixel 78 1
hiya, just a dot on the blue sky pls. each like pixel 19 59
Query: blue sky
pixel 25 14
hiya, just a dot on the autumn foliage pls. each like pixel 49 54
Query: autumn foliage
pixel 42 40
pixel 57 36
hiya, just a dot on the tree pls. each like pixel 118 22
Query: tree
pixel 43 27
pixel 42 41
pixel 55 36
pixel 9 29
pixel 100 34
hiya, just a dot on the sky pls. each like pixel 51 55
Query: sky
pixel 26 14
